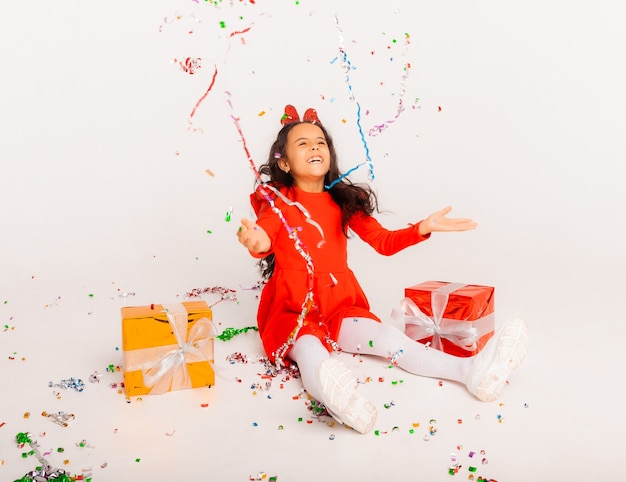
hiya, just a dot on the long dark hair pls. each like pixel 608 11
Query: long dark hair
pixel 351 198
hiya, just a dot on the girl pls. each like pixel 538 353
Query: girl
pixel 304 313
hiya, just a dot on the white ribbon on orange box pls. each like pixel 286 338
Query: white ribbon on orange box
pixel 462 334
pixel 164 368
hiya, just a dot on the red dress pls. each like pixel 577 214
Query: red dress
pixel 337 293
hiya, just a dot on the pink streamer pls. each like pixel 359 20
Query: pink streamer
pixel 264 189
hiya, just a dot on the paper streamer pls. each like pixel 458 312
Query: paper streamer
pixel 204 96
pixel 309 303
pixel 347 67
pixel 379 128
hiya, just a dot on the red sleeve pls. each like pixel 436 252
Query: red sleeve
pixel 385 241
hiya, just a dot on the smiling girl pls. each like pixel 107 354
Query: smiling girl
pixel 301 164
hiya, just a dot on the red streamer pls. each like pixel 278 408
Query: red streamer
pixel 193 112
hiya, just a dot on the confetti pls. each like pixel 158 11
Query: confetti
pixel 45 471
pixel 84 444
pixel 189 66
pixel 237 357
pixel 230 333
pixel 60 418
pixel 73 383
pixel 226 294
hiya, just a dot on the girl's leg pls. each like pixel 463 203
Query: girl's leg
pixel 484 374
pixel 309 353
pixel 369 337
pixel 331 382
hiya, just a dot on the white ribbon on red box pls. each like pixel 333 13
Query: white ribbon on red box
pixel 462 334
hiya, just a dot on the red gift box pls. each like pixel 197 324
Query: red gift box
pixel 456 318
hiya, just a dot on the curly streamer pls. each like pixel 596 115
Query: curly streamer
pixel 195 108
pixel 377 129
pixel 45 471
pixel 309 303
pixel 347 66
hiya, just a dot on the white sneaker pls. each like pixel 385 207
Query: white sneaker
pixel 502 354
pixel 339 393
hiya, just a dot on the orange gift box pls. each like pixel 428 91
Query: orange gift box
pixel 456 318
pixel 167 347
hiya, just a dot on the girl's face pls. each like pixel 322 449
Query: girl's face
pixel 307 157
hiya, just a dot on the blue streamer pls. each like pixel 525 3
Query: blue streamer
pixel 348 66
pixel 342 176
pixel 367 150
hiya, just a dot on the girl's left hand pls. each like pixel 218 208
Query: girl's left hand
pixel 439 222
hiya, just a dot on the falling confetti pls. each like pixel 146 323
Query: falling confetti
pixel 189 65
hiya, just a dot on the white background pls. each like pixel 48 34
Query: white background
pixel 514 115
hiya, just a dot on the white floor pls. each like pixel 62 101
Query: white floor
pixel 514 115
pixel 559 419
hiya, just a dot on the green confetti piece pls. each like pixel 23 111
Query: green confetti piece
pixel 230 333
pixel 23 438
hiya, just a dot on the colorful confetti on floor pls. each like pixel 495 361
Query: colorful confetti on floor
pixel 143 212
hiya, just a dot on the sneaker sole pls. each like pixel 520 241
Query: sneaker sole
pixel 510 351
pixel 339 390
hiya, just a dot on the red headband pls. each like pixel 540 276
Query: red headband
pixel 291 115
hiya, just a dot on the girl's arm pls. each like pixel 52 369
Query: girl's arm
pixel 383 240
pixel 388 242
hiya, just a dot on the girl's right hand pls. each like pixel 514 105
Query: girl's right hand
pixel 253 237
pixel 439 222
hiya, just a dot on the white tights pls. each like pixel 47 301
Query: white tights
pixel 369 337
